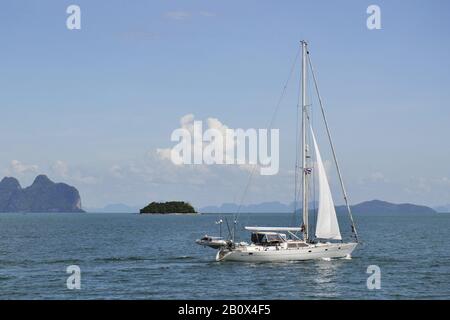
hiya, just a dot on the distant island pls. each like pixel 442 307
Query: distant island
pixel 168 207
pixel 42 196
pixel 442 208
pixel 366 207
pixel 378 206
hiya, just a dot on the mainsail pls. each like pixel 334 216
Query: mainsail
pixel 327 225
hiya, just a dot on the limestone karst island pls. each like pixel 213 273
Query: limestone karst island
pixel 43 195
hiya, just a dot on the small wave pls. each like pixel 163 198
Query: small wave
pixel 25 263
pixel 6 277
pixel 122 259
pixel 387 259
pixel 66 261
pixel 18 262
pixel 182 258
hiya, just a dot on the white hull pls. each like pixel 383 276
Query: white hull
pixel 272 254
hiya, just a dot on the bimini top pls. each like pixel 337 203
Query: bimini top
pixel 275 229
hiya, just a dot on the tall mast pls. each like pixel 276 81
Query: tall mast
pixel 304 146
pixel 347 203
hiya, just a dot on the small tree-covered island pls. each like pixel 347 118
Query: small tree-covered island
pixel 168 207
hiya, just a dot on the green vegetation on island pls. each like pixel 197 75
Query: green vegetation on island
pixel 168 207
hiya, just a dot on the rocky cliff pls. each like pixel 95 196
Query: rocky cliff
pixel 42 196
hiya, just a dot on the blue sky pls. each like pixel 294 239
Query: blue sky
pixel 90 107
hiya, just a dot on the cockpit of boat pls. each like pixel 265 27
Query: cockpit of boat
pixel 268 238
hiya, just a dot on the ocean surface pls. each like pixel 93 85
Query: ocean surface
pixel 131 256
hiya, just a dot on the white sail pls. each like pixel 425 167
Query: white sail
pixel 327 225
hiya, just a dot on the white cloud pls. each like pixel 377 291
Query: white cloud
pixel 157 171
pixel 116 171
pixel 207 14
pixel 252 168
pixel 183 15
pixel 84 179
pixel 445 181
pixel 164 154
pixel 187 120
pixel 178 15
pixel 374 178
pixel 378 177
pixel 61 170
pixel 187 123
pixel 17 167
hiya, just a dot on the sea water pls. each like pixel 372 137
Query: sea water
pixel 131 256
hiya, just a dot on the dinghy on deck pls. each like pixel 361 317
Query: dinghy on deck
pixel 212 242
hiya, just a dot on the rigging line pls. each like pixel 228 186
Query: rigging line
pixel 295 169
pixel 228 227
pixel 272 120
pixel 292 223
pixel 332 150
pixel 314 178
pixel 309 163
pixel 314 210
pixel 297 138
pixel 314 187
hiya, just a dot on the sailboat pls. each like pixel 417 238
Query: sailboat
pixel 296 243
